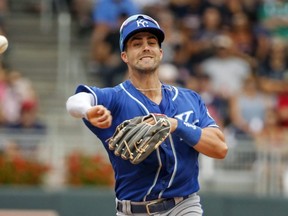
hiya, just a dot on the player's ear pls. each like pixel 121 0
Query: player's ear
pixel 161 56
pixel 124 57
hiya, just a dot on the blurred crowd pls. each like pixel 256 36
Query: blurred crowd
pixel 18 98
pixel 21 131
pixel 233 52
pixel 18 101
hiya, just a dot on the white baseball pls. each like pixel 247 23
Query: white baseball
pixel 3 44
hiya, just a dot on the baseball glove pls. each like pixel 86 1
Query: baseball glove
pixel 135 139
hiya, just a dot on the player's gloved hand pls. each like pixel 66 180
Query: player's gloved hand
pixel 99 116
pixel 135 139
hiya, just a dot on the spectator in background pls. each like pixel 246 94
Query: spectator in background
pixel 19 90
pixel 82 12
pixel 273 134
pixel 250 8
pixel 227 71
pixel 273 76
pixel 248 109
pixel 188 11
pixel 242 34
pixel 211 26
pixel 282 107
pixel 251 41
pixel 107 63
pixel 22 86
pixel 273 141
pixel 182 53
pixel 273 15
pixel 173 36
pixel 240 19
pixel 151 6
pixel 11 103
pixel 231 7
pixel 28 119
pixel 20 112
pixel 216 106
pixel 106 13
pixel 273 71
pixel 188 15
pixel 169 74
pixel 107 17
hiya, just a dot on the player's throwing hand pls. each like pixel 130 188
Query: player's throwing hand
pixel 99 116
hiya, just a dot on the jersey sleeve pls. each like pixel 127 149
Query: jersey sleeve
pixel 191 132
pixel 206 119
pixel 102 96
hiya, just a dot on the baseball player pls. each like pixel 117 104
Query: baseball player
pixel 166 182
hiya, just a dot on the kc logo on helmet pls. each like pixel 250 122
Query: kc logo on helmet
pixel 142 22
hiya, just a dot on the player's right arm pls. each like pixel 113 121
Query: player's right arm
pixel 81 106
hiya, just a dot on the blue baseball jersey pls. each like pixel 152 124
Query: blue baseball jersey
pixel 171 170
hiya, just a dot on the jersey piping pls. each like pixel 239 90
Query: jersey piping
pixel 158 153
pixel 175 166
pixel 135 99
pixel 176 93
pixel 93 93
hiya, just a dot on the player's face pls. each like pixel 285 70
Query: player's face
pixel 143 53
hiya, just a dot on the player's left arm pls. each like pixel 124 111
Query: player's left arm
pixel 212 143
pixel 209 141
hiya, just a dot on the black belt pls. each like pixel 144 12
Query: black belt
pixel 152 206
